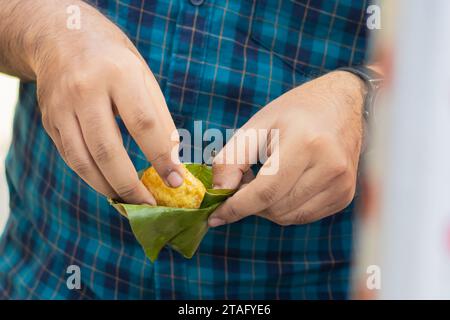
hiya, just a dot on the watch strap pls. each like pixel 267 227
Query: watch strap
pixel 373 81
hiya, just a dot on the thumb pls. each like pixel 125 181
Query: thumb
pixel 235 159
pixel 227 176
pixel 249 199
pixel 230 211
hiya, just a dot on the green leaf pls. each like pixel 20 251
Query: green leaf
pixel 182 229
pixel 202 172
pixel 214 196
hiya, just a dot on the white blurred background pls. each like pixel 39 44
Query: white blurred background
pixel 9 87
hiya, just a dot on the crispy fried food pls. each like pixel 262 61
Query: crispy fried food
pixel 189 195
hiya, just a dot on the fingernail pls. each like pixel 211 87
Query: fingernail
pixel 215 222
pixel 174 179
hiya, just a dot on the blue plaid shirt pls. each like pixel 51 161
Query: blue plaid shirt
pixel 218 62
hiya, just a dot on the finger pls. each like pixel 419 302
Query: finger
pixel 322 205
pixel 146 116
pixel 261 192
pixel 227 176
pixel 103 140
pixel 236 157
pixel 77 157
pixel 312 182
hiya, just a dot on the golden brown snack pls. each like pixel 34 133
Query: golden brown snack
pixel 189 195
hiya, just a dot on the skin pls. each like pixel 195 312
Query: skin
pixel 320 135
pixel 84 78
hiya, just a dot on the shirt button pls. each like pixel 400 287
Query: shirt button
pixel 197 2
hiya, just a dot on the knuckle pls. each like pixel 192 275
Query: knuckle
pixel 94 121
pixel 319 141
pixel 267 194
pixel 161 157
pixel 142 123
pixel 126 190
pixel 69 151
pixel 233 212
pixel 305 191
pixel 339 167
pixel 78 83
pixel 79 165
pixel 290 202
pixel 103 152
pixel 300 217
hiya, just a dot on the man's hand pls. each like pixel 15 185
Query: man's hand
pixel 320 135
pixel 84 78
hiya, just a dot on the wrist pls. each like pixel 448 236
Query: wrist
pixel 349 83
pixel 349 88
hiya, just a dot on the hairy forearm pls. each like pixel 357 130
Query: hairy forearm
pixel 33 30
pixel 14 27
pixel 22 26
pixel 86 70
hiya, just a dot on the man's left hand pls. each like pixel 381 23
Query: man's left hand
pixel 320 130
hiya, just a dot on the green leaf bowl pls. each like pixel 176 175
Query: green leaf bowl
pixel 181 229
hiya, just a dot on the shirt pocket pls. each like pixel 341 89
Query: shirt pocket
pixel 312 36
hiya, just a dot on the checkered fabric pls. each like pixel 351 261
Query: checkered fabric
pixel 219 62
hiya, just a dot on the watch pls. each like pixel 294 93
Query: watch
pixel 373 81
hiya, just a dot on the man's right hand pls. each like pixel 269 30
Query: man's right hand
pixel 84 77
